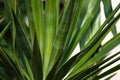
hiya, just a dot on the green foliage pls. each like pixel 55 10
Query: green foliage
pixel 37 39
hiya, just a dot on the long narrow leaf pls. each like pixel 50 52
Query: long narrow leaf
pixel 62 32
pixel 108 10
pixel 37 62
pixel 91 69
pixel 38 17
pixel 4 31
pixel 100 37
pixel 51 19
pixel 75 20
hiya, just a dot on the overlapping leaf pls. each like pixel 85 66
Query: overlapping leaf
pixel 44 35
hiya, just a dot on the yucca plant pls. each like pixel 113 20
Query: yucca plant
pixel 38 38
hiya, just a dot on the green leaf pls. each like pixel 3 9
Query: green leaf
pixel 28 68
pixel 108 10
pixel 4 31
pixel 79 33
pixel 94 68
pixel 36 63
pixel 93 27
pixel 30 21
pixel 64 69
pixel 62 32
pixel 38 17
pixel 103 67
pixel 39 43
pixel 108 72
pixel 108 78
pixel 91 49
pixel 21 35
pixel 10 5
pixel 51 27
pixel 104 24
pixel 52 72
pixel 9 64
pixel 74 21
pixel 2 19
pixel 13 36
pixel 23 26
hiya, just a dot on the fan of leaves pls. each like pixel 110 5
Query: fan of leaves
pixel 37 39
